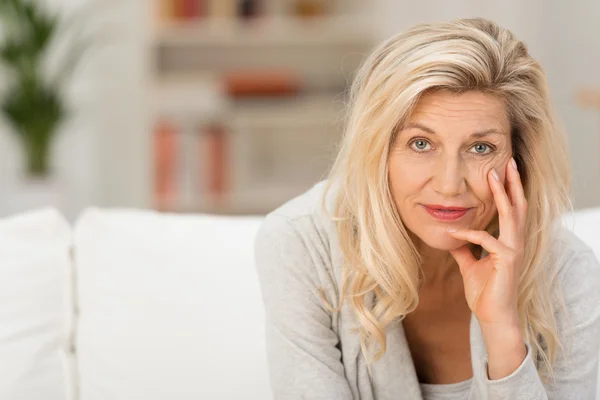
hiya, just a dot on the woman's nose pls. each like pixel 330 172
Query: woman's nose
pixel 449 178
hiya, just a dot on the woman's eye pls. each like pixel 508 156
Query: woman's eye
pixel 419 145
pixel 481 148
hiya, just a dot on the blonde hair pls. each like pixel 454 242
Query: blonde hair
pixel 380 258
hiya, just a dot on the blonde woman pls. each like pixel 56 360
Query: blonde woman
pixel 431 264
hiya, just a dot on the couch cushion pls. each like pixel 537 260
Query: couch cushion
pixel 35 307
pixel 586 225
pixel 169 307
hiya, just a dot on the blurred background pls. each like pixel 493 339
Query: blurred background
pixel 230 106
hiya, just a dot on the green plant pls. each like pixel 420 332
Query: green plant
pixel 33 104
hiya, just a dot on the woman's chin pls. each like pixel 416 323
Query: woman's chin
pixel 442 241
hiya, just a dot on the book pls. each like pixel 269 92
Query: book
pixel 261 83
pixel 165 164
pixel 191 9
pixel 165 11
pixel 309 8
pixel 177 9
pixel 222 8
pixel 249 8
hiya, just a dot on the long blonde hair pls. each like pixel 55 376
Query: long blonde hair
pixel 380 257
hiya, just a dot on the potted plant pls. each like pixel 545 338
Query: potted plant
pixel 32 102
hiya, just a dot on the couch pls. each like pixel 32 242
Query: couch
pixel 138 305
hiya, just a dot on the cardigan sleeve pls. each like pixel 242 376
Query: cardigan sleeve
pixel 576 370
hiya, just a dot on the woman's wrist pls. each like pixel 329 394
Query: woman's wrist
pixel 505 348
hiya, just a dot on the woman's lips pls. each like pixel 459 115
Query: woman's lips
pixel 446 213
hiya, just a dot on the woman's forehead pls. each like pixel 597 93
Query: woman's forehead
pixel 466 102
pixel 476 112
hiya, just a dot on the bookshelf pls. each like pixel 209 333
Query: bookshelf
pixel 247 111
pixel 270 31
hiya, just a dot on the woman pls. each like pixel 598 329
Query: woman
pixel 432 264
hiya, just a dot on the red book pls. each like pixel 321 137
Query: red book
pixel 269 82
pixel 165 165
pixel 177 9
pixel 190 9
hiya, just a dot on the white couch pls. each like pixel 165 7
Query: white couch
pixel 136 305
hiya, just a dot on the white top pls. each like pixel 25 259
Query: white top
pixel 452 391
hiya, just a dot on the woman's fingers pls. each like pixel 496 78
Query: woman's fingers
pixel 517 194
pixel 464 257
pixel 482 238
pixel 506 211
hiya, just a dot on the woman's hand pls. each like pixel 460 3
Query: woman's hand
pixel 491 283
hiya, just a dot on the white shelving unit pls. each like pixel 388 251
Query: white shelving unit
pixel 265 32
pixel 279 146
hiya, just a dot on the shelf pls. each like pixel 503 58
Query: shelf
pixel 275 143
pixel 189 96
pixel 197 103
pixel 299 112
pixel 320 31
pixel 249 202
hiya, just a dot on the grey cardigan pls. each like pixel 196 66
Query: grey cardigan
pixel 314 353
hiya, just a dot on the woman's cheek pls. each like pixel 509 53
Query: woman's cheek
pixel 410 172
pixel 407 162
pixel 478 172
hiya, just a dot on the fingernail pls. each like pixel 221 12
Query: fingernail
pixel 496 177
pixel 451 230
pixel 513 163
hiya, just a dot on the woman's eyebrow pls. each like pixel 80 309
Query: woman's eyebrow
pixel 416 125
pixel 413 125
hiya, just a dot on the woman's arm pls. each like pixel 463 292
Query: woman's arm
pixel 506 349
pixel 304 362
pixel 576 370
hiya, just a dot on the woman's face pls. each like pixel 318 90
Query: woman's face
pixel 441 158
